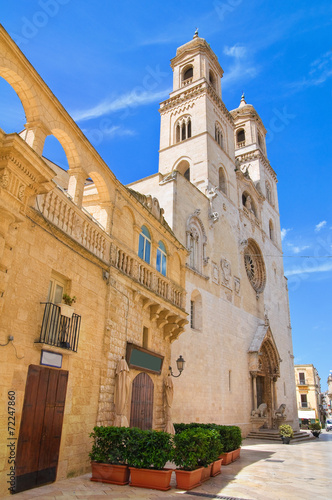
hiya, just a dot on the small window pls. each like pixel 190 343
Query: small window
pixel 222 180
pixel 186 175
pixel 271 230
pixel 145 342
pixel 240 137
pixel 212 79
pixel 192 314
pixel 302 378
pixel 188 73
pixel 304 401
pixel 144 245
pixel 196 310
pixel 218 135
pixel 56 290
pixel 161 258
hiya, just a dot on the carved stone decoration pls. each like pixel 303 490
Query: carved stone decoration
pixel 237 284
pixel 4 179
pixel 77 228
pixel 21 191
pixel 226 271
pixel 215 273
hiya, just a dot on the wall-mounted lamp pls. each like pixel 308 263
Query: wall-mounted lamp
pixel 180 364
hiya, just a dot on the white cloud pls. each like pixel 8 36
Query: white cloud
pixel 132 99
pixel 320 226
pixel 298 249
pixel 237 51
pixel 284 232
pixel 321 70
pixel 305 269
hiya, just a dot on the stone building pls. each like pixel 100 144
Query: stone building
pixel 219 192
pixel 84 234
pixel 308 394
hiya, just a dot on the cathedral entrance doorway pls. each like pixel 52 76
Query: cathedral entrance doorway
pixel 141 414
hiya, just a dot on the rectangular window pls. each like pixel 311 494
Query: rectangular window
pixel 304 402
pixel 141 247
pixel 145 342
pixel 302 378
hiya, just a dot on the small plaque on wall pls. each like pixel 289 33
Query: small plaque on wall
pixel 49 358
pixel 142 359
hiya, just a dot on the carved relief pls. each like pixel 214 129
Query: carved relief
pixel 226 271
pixel 237 284
pixel 215 273
pixel 4 179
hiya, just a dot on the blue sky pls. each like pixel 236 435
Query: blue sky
pixel 108 64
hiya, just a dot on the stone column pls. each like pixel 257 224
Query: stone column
pixel 77 178
pixel 254 388
pixel 35 134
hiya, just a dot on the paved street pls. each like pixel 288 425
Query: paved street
pixel 265 471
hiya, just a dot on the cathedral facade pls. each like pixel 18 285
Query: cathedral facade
pixel 220 197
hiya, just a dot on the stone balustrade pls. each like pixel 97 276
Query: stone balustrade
pixel 146 275
pixel 58 208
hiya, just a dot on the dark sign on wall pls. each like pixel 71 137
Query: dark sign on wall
pixel 142 359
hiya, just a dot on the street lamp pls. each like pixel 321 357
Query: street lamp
pixel 180 364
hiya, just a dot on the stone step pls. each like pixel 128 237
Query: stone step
pixel 273 435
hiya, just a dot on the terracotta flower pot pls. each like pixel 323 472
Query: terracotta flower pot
pixel 227 458
pixel 236 454
pixel 109 473
pixel 188 479
pixel 151 478
pixel 206 473
pixel 216 467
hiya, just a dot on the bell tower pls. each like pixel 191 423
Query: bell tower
pixel 196 135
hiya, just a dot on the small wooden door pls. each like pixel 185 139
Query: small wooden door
pixel 142 402
pixel 41 426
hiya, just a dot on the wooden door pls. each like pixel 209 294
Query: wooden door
pixel 41 426
pixel 142 402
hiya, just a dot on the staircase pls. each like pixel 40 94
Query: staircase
pixel 273 435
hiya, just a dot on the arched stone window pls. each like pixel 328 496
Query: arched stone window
pixel 248 203
pixel 218 134
pixel 188 73
pixel 212 79
pixel 240 138
pixel 183 168
pixel 196 310
pixel 161 258
pixel 183 129
pixel 196 243
pixel 144 245
pixel 222 180
pixel 255 267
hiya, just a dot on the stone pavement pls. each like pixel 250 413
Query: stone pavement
pixel 265 471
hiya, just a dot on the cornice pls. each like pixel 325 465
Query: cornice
pixel 258 155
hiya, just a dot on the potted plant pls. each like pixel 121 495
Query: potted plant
pixel 210 459
pixel 286 433
pixel 66 307
pixel 236 441
pixel 109 455
pixel 147 454
pixel 316 429
pixel 226 440
pixel 190 446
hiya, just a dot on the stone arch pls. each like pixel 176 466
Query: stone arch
pixel 183 167
pixel 68 145
pixel 222 180
pixel 14 120
pixel 249 203
pixel 26 93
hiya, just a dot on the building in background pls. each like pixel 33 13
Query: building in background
pixel 308 394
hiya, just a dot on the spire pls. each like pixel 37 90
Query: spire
pixel 196 33
pixel 243 101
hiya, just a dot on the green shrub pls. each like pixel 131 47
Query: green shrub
pixel 109 445
pixel 286 430
pixel 195 447
pixel 315 426
pixel 148 449
pixel 230 435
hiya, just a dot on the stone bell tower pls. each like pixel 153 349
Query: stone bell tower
pixel 196 136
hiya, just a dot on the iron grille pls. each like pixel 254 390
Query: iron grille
pixel 58 330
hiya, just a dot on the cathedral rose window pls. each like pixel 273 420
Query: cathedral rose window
pixel 255 267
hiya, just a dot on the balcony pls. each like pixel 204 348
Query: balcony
pixel 58 330
pixel 305 405
pixel 302 382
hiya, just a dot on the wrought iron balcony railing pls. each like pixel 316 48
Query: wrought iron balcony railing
pixel 58 330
